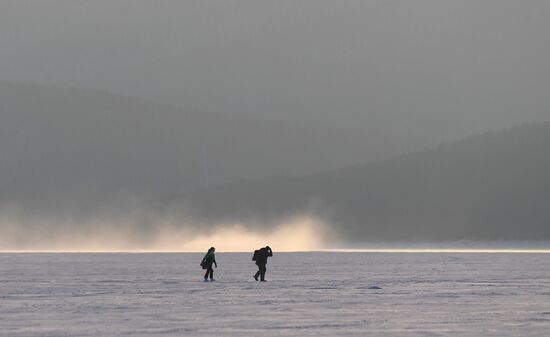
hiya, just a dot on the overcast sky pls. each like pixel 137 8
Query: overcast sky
pixel 398 75
pixel 445 67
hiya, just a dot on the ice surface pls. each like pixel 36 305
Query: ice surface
pixel 308 294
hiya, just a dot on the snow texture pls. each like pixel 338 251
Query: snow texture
pixel 308 294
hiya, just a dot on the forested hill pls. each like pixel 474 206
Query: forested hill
pixel 495 186
pixel 58 144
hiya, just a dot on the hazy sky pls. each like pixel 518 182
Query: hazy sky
pixel 406 74
pixel 447 68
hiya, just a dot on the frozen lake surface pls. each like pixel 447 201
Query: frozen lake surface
pixel 308 294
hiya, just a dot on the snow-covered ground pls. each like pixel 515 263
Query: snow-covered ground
pixel 308 294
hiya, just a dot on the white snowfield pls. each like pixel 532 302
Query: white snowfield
pixel 308 294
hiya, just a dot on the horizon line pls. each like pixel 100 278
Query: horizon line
pixel 329 250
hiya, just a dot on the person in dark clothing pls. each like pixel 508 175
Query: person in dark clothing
pixel 207 262
pixel 260 256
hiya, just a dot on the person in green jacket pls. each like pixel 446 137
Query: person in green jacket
pixel 207 262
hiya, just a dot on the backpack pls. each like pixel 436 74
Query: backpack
pixel 256 252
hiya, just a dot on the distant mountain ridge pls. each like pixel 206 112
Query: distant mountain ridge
pixel 71 142
pixel 495 186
